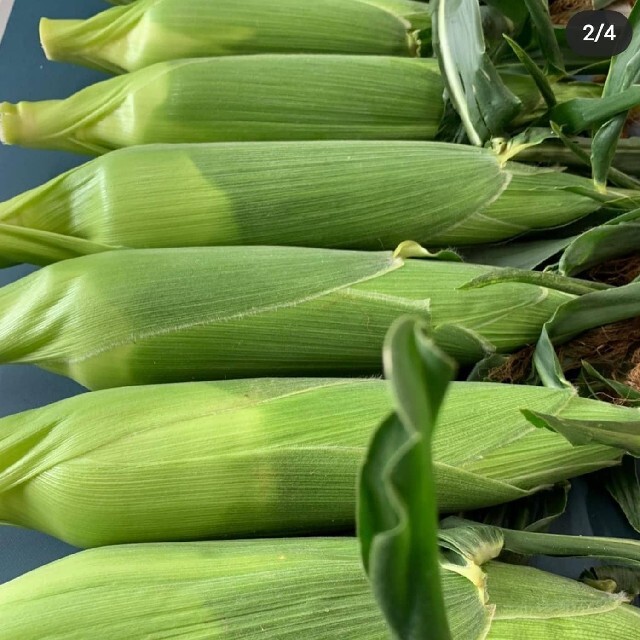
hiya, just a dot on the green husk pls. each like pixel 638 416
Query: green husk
pixel 269 97
pixel 149 31
pixel 283 589
pixel 366 195
pixel 192 314
pixel 238 98
pixel 266 456
pixel 474 88
pixel 626 159
pixel 624 486
pixel 397 506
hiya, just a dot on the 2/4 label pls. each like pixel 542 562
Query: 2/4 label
pixel 595 37
pixel 599 34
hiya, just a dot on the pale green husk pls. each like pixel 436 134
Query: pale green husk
pixel 265 456
pixel 171 315
pixel 149 31
pixel 365 195
pixel 239 98
pixel 282 590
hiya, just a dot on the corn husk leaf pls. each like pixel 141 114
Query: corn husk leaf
pixel 533 513
pixel 615 239
pixel 627 157
pixel 586 312
pixel 397 509
pixel 580 114
pixel 618 550
pixel 515 12
pixel 238 98
pixel 574 286
pixel 608 305
pixel 623 74
pixel 618 178
pixel 566 611
pixel 539 77
pixel 36 246
pixel 602 432
pixel 266 456
pixel 599 386
pixel 624 487
pixel 525 254
pixel 484 103
pixel 187 314
pixel 546 37
pixel 547 364
pixel 366 195
pixel 149 31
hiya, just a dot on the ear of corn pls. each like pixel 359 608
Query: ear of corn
pixel 186 314
pixel 269 97
pixel 264 457
pixel 237 590
pixel 149 31
pixel 566 611
pixel 239 98
pixel 366 195
pixel 543 606
pixel 618 238
pixel 283 589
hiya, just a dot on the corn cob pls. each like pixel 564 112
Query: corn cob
pixel 266 97
pixel 239 98
pixel 149 31
pixel 265 457
pixel 198 314
pixel 283 589
pixel 365 195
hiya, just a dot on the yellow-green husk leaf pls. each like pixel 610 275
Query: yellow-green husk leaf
pixel 170 315
pixel 281 589
pixel 366 195
pixel 149 31
pixel 265 456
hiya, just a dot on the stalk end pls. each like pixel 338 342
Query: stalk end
pixel 10 123
pixel 47 124
pixel 21 123
pixel 55 37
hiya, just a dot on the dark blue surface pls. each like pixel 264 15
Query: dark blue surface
pixel 25 74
